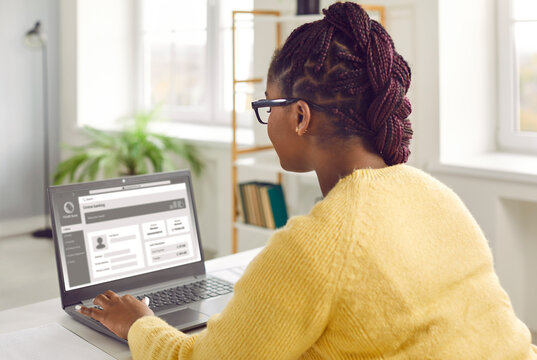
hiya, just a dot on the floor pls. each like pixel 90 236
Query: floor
pixel 28 271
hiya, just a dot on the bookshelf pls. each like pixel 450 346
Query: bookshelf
pixel 263 157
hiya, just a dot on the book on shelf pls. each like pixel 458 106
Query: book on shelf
pixel 247 206
pixel 240 205
pixel 262 204
pixel 267 209
pixel 259 207
pixel 254 205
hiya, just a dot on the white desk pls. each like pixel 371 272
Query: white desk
pixel 51 311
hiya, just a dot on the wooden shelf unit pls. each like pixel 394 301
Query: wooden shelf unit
pixel 235 151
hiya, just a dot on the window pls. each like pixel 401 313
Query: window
pixel 185 49
pixel 518 74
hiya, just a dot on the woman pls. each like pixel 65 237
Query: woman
pixel 389 265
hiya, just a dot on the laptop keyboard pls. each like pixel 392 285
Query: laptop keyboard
pixel 185 294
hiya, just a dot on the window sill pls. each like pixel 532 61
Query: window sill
pixel 507 167
pixel 205 134
pixel 200 134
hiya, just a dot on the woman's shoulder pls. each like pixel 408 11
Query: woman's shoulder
pixel 389 180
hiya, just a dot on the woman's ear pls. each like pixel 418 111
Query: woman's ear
pixel 303 118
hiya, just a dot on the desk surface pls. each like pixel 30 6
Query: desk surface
pixel 50 311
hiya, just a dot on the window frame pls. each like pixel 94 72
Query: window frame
pixel 215 113
pixel 510 139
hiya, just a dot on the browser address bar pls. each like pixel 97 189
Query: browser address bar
pixel 128 187
pixel 121 193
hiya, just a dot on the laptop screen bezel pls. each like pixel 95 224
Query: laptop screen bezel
pixel 75 296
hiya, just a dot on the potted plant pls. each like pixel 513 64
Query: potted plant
pixel 133 151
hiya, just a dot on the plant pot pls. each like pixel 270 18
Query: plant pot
pixel 306 7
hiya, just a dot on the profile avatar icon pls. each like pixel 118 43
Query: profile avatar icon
pixel 68 207
pixel 100 244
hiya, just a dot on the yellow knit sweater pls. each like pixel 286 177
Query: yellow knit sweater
pixel 390 265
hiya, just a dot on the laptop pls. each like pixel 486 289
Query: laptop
pixel 136 235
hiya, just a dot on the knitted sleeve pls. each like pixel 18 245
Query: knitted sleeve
pixel 280 306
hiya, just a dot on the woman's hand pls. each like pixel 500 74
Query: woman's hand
pixel 118 312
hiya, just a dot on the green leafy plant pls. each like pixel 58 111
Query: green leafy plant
pixel 133 151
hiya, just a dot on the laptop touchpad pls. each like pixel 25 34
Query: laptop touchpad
pixel 184 317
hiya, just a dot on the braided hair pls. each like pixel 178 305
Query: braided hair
pixel 347 63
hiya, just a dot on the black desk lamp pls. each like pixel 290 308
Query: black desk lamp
pixel 34 38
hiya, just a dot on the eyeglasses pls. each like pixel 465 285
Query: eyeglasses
pixel 263 115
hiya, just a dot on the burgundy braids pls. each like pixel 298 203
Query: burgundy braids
pixel 347 63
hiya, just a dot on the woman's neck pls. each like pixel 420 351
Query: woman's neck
pixel 334 164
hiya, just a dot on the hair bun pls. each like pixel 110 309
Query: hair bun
pixel 388 74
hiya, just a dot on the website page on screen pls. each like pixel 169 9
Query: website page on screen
pixel 114 233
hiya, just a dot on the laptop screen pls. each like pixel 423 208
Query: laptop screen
pixel 105 233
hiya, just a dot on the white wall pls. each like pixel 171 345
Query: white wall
pixel 21 113
pixel 468 82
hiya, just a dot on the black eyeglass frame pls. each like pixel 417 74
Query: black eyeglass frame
pixel 280 102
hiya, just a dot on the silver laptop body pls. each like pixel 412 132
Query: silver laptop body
pixel 137 235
